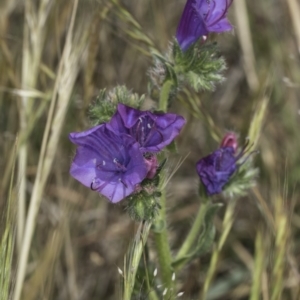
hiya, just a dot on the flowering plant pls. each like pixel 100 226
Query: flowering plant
pixel 122 157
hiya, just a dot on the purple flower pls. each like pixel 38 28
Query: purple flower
pixel 216 169
pixel 153 131
pixel 199 18
pixel 109 163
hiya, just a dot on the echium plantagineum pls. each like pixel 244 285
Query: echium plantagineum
pixel 201 17
pixel 216 169
pixel 115 157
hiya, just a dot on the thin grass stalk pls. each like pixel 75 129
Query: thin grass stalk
pixel 70 259
pixel 244 35
pixel 280 251
pixel 135 254
pixel 60 100
pixel 24 135
pixel 7 241
pixel 294 9
pixel 260 258
pixel 227 224
pixel 33 41
pixel 201 114
pixel 44 271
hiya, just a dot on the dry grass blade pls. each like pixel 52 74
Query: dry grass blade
pixel 67 73
pixel 33 43
pixel 282 234
pixel 131 263
pixel 7 240
pixel 44 273
pixel 294 9
pixel 259 267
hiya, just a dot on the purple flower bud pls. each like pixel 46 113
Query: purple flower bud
pixel 216 169
pixel 152 165
pixel 109 163
pixel 199 18
pixel 230 140
pixel 153 131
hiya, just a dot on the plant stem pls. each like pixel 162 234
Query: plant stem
pixel 227 224
pixel 163 248
pixel 164 95
pixel 194 231
pixel 161 234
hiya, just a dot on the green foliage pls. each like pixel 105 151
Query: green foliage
pixel 207 235
pixel 200 67
pixel 106 103
pixel 243 179
pixel 205 240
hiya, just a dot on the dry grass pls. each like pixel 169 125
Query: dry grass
pixel 54 58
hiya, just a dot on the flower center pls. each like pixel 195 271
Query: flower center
pixel 119 166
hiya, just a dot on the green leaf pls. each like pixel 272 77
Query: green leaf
pixel 207 234
pixel 205 240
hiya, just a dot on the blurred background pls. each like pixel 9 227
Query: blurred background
pixel 55 57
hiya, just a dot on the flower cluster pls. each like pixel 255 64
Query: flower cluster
pixel 115 157
pixel 216 169
pixel 199 18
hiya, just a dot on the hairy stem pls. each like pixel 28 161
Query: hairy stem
pixel 164 95
pixel 163 248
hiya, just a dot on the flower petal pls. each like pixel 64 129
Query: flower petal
pixel 109 163
pixel 153 131
pixel 191 26
pixel 216 169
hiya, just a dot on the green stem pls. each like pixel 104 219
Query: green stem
pixel 160 228
pixel 163 249
pixel 227 224
pixel 164 95
pixel 194 231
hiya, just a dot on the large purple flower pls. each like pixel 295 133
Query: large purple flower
pixel 153 131
pixel 109 163
pixel 216 169
pixel 199 18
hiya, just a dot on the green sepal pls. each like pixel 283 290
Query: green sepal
pixel 106 103
pixel 200 66
pixel 172 147
pixel 243 179
pixel 143 207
